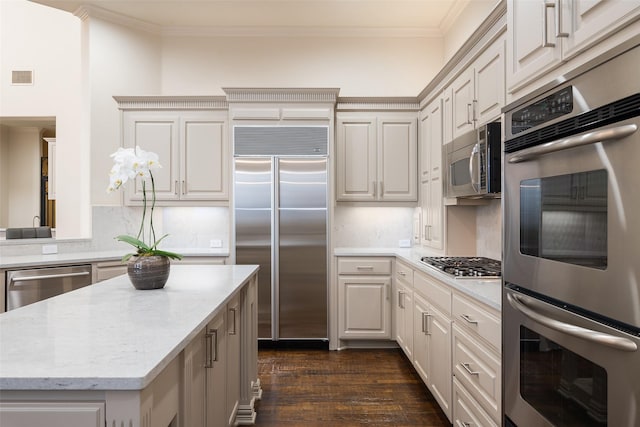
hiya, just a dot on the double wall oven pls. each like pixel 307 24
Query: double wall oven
pixel 571 271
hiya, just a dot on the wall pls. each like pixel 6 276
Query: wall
pixel 47 41
pixel 489 230
pixel 118 61
pixel 359 66
pixel 465 24
pixel 22 146
pixel 379 227
pixel 4 176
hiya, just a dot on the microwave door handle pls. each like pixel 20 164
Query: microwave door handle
pixel 619 343
pixel 605 135
pixel 475 152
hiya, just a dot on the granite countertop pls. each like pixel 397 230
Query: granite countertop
pixel 110 336
pixel 487 291
pixel 37 260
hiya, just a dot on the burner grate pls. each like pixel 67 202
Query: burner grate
pixel 472 267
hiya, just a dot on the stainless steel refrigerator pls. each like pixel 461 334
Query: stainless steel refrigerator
pixel 280 206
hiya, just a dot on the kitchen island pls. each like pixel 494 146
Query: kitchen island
pixel 108 352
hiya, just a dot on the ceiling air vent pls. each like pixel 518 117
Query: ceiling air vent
pixel 22 77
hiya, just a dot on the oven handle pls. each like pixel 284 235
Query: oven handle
pixel 574 141
pixel 618 343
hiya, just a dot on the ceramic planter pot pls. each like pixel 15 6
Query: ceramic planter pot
pixel 148 272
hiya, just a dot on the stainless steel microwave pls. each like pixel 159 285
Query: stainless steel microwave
pixel 473 166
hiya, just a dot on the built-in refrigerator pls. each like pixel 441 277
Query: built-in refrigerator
pixel 280 220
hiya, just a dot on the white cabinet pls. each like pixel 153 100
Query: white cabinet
pixel 432 338
pixel 478 93
pixel 364 306
pixel 431 205
pixel 193 151
pixel 403 308
pixel 376 158
pixel 476 360
pixel 68 414
pixel 211 371
pixel 544 34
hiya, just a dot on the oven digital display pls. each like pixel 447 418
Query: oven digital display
pixel 564 387
pixel 564 218
pixel 551 107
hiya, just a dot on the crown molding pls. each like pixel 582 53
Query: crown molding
pixel 328 95
pixel 298 31
pixel 492 27
pixel 89 11
pixel 172 102
pixel 409 103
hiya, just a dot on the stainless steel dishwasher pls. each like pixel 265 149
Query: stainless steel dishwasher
pixel 29 286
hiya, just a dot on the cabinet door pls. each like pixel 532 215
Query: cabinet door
pixel 420 337
pixel 531 44
pixel 439 359
pixel 195 381
pixel 364 307
pixel 490 83
pixel 404 319
pixel 216 372
pixel 160 134
pixel 447 115
pixel 204 157
pixel 463 102
pixel 432 213
pixel 233 358
pixel 397 159
pixel 356 176
pixel 588 21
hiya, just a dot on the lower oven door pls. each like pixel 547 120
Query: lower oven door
pixel 563 369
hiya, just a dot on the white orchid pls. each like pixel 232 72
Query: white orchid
pixel 129 163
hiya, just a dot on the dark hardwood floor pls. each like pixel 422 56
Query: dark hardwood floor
pixel 343 388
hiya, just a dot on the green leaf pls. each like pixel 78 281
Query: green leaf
pixel 155 245
pixel 171 255
pixel 134 242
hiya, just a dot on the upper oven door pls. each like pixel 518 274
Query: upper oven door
pixel 571 220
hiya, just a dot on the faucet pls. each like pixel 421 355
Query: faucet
pixel 33 222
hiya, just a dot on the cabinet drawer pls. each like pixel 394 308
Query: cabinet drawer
pixel 364 266
pixel 404 273
pixel 466 411
pixel 434 291
pixel 478 369
pixel 477 320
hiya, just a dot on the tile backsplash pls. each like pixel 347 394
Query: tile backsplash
pixel 371 226
pixel 489 230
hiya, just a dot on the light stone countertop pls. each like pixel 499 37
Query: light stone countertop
pixel 110 336
pixel 40 260
pixel 487 291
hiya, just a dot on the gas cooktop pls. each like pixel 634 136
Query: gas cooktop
pixel 466 267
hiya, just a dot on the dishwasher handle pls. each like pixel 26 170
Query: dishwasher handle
pixel 47 276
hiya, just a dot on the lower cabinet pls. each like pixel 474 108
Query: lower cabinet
pixel 212 371
pixel 432 338
pixel 476 356
pixel 364 303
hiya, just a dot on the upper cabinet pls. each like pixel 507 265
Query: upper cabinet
pixel 193 146
pixel 545 33
pixel 377 157
pixel 478 93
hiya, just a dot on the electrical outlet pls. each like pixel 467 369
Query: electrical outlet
pixel 49 249
pixel 404 243
pixel 215 243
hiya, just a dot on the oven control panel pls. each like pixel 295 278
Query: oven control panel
pixel 544 110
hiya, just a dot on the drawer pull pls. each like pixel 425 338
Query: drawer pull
pixel 425 323
pixel 464 424
pixel 467 367
pixel 402 273
pixel 364 267
pixel 469 319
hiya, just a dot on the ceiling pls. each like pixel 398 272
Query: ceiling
pixel 430 17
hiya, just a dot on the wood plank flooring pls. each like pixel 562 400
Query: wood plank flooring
pixel 343 388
